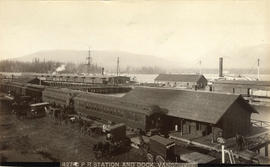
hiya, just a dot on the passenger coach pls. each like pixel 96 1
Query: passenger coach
pixel 60 96
pixel 112 109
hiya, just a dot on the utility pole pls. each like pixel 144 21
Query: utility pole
pixel 258 69
pixel 88 58
pixel 117 70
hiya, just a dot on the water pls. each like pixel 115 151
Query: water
pixel 149 78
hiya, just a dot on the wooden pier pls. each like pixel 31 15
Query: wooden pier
pixel 94 88
pixel 254 143
pixel 259 123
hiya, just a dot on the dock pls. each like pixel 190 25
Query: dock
pixel 254 143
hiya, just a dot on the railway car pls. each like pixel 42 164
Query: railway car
pixel 35 91
pixel 58 96
pixel 4 86
pixel 113 109
pixel 16 88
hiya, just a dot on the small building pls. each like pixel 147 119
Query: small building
pixel 196 112
pixel 182 80
pixel 243 87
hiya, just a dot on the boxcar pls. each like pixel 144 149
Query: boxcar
pixel 112 109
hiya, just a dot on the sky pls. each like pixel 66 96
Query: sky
pixel 177 30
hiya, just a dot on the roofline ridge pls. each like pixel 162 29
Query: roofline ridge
pixel 187 90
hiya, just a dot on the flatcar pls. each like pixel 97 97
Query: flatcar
pixel 112 109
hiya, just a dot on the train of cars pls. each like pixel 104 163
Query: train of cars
pixel 104 108
pixel 91 105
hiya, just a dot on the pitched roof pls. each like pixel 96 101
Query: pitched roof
pixel 193 105
pixel 23 79
pixel 116 102
pixel 178 77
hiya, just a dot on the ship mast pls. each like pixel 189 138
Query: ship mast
pixel 200 65
pixel 117 68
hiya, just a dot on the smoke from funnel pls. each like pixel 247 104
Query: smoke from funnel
pixel 61 68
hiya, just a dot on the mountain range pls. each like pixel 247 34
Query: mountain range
pixel 107 59
pixel 236 58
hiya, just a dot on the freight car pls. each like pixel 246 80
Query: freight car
pixel 147 119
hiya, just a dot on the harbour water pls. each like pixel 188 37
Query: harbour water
pixel 149 78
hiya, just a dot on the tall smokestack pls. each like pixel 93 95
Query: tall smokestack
pixel 220 67
pixel 102 71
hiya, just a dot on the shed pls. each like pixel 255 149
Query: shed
pixel 182 80
pixel 243 87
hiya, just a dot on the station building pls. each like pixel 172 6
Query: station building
pixel 198 113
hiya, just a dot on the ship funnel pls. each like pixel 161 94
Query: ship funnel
pixel 221 67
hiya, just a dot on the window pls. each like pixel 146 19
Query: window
pixel 198 126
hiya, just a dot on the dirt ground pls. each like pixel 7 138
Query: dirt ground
pixel 42 140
